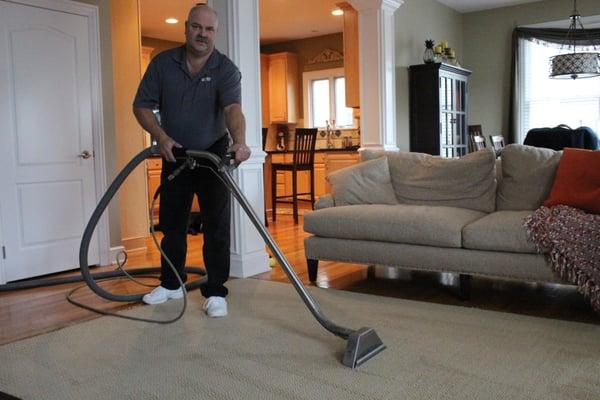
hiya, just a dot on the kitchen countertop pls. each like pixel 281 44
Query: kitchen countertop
pixel 335 150
pixel 351 149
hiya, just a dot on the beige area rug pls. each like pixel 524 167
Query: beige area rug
pixel 270 347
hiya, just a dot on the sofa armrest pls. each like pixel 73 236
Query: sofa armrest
pixel 324 201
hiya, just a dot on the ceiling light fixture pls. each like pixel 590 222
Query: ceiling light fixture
pixel 337 12
pixel 575 65
pixel 171 20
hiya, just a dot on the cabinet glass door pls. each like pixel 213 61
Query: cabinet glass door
pixel 453 124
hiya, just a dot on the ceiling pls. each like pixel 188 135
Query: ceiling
pixel 280 20
pixel 465 6
pixel 310 18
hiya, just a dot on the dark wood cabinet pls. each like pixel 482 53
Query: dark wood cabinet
pixel 438 95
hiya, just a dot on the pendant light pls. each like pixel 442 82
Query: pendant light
pixel 575 65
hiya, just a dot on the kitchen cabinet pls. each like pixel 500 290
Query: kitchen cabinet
pixel 438 96
pixel 264 89
pixel 283 88
pixel 154 167
pixel 335 161
pixel 325 163
pixel 351 55
pixel 146 56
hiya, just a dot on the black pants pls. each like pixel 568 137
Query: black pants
pixel 176 199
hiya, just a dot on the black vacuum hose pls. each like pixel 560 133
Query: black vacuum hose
pixel 91 226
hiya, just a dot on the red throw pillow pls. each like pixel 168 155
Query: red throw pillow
pixel 577 180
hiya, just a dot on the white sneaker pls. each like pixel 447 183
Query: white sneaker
pixel 161 294
pixel 215 306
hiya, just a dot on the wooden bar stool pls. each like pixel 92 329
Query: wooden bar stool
pixel 304 160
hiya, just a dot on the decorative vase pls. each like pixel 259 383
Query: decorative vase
pixel 428 55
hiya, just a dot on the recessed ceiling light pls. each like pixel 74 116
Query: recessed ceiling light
pixel 171 20
pixel 337 12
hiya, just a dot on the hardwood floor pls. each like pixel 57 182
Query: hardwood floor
pixel 30 312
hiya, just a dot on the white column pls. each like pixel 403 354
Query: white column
pixel 377 73
pixel 238 38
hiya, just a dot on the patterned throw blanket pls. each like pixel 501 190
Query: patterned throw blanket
pixel 571 238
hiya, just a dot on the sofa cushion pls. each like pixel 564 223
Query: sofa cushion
pixel 577 181
pixel 423 179
pixel 401 223
pixel 499 231
pixel 527 176
pixel 365 183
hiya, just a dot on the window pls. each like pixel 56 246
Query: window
pixel 545 102
pixel 325 99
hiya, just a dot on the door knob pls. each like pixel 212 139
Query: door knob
pixel 85 154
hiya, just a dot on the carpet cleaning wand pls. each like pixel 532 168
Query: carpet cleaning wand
pixel 362 344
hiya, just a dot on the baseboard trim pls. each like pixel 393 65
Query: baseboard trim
pixel 249 265
pixel 135 244
pixel 113 252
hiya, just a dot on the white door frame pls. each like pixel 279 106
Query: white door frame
pixel 91 13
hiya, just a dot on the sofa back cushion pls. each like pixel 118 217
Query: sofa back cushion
pixel 366 183
pixel 422 179
pixel 527 176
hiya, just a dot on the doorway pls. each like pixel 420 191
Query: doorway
pixel 50 118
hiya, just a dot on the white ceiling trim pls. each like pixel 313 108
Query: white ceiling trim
pixel 466 6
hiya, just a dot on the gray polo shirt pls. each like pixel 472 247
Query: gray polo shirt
pixel 191 109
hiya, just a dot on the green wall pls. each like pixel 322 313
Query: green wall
pixel 416 21
pixel 487 52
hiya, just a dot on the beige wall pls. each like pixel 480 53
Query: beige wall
pixel 160 45
pixel 110 144
pixel 120 63
pixel 487 42
pixel 130 137
pixel 416 21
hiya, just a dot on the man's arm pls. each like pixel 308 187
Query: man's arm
pixel 148 121
pixel 236 124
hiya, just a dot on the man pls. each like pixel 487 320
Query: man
pixel 198 92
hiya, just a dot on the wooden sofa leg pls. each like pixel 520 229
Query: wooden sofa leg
pixel 313 266
pixel 464 287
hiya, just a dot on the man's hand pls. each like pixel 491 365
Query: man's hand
pixel 148 121
pixel 236 124
pixel 242 152
pixel 165 146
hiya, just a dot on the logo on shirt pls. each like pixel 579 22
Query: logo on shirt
pixel 205 79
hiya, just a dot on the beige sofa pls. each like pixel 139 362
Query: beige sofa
pixel 421 212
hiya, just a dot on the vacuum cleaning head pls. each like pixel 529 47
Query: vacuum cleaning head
pixel 362 345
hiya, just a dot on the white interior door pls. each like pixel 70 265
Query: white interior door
pixel 47 186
